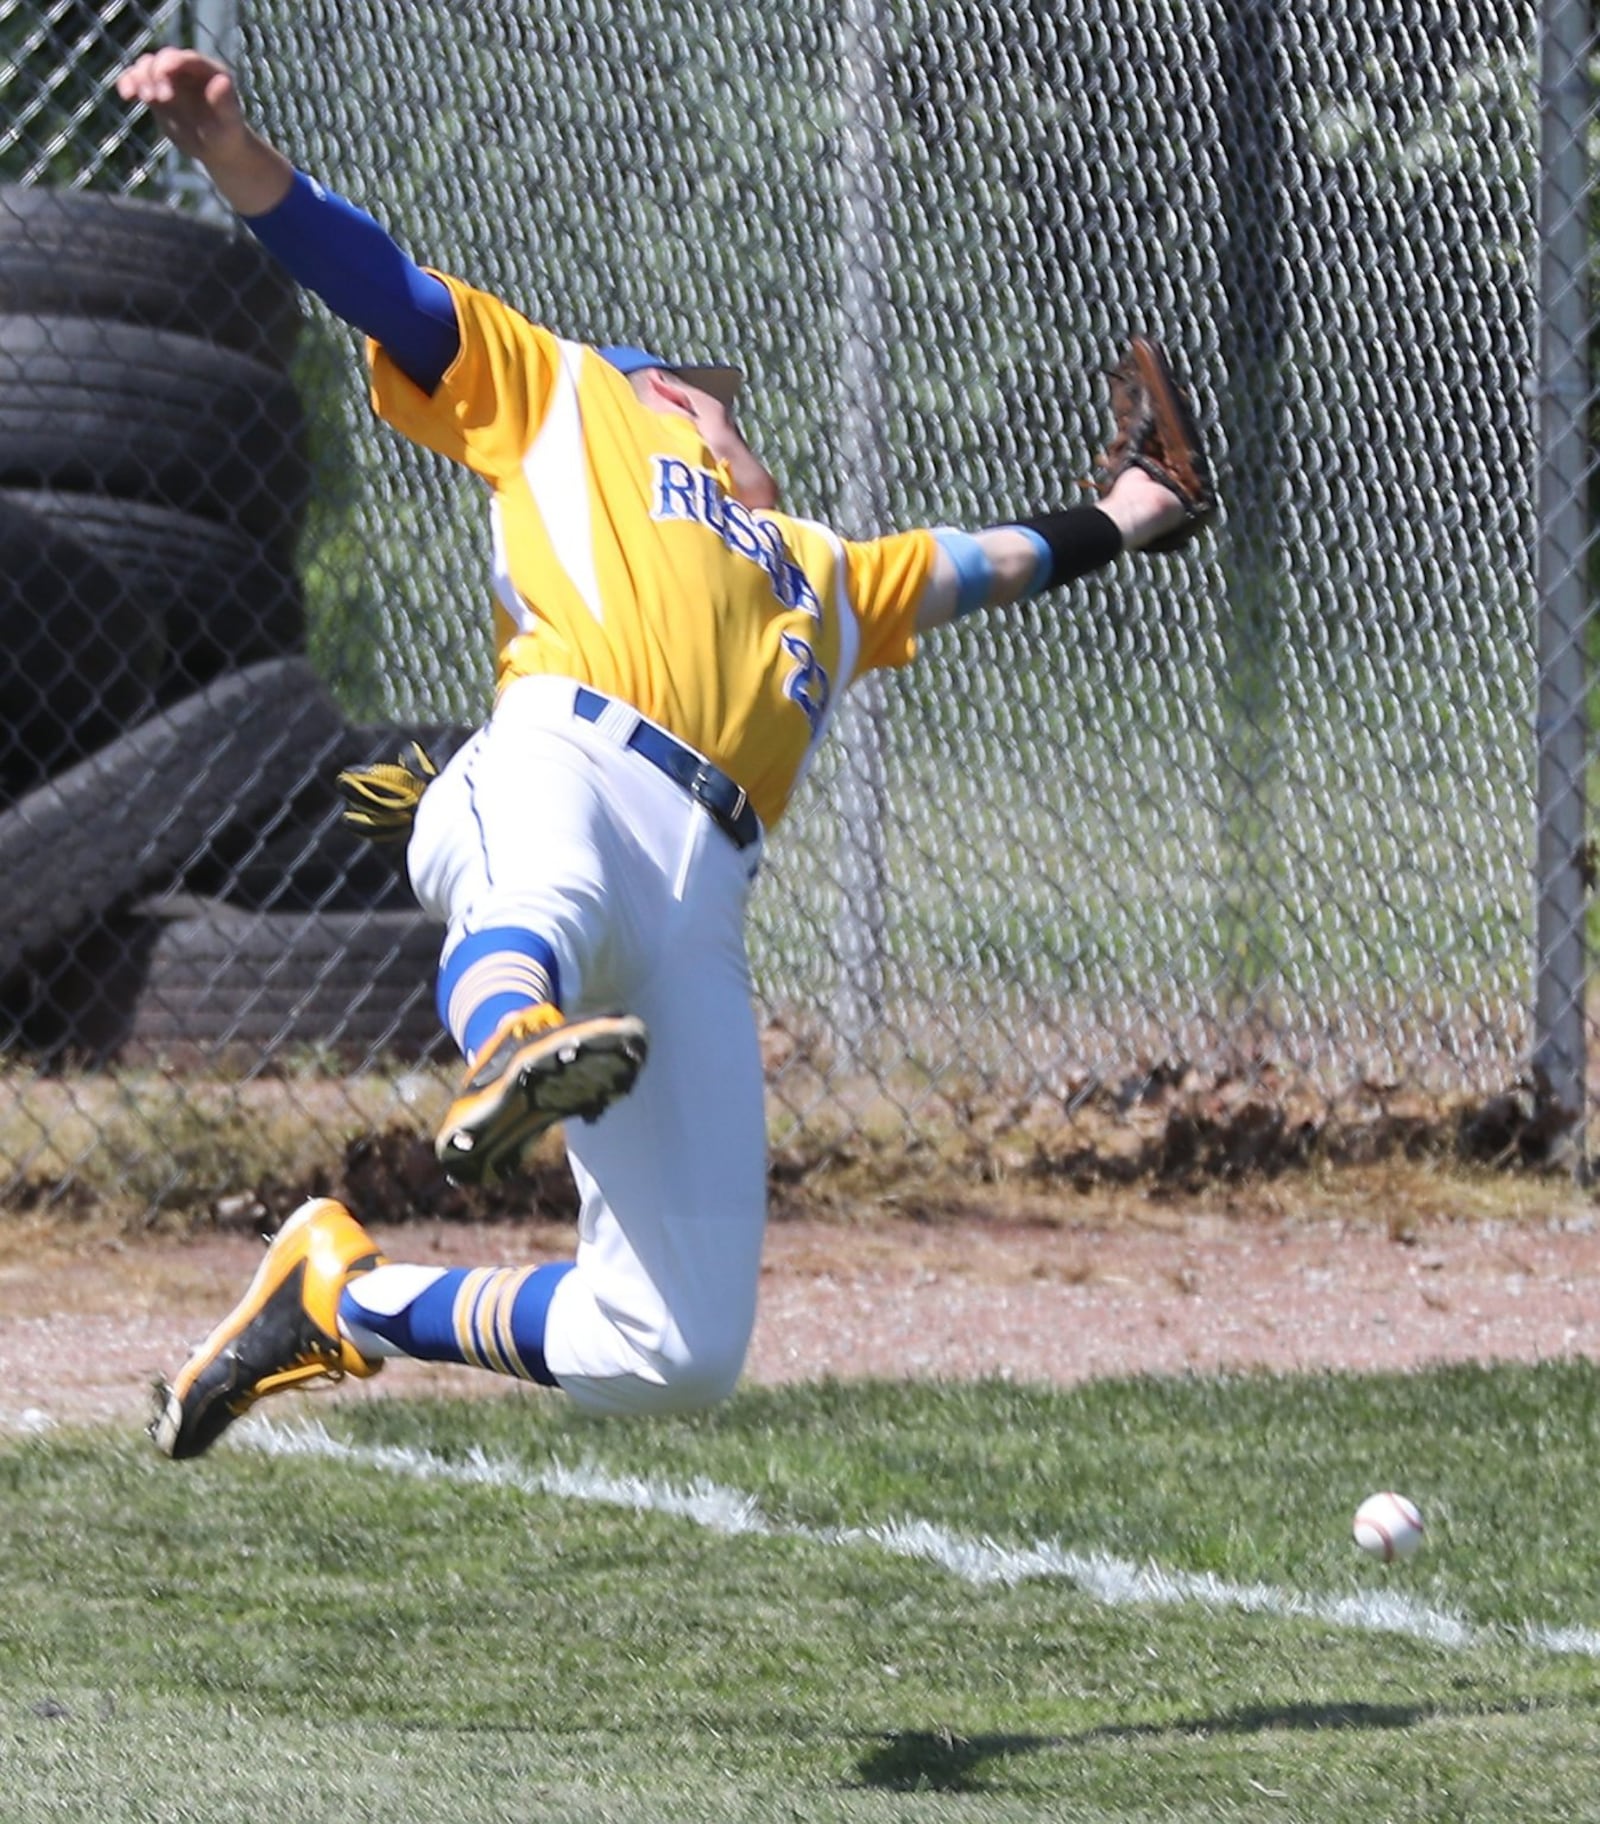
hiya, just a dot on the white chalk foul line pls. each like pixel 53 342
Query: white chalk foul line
pixel 1115 1582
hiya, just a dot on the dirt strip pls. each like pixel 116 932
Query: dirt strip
pixel 86 1321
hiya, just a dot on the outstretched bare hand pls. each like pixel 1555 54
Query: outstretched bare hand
pixel 192 96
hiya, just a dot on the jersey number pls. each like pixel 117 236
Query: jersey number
pixel 807 682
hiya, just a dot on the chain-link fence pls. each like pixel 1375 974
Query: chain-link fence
pixel 1300 810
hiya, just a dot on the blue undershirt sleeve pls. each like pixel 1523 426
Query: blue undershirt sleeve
pixel 339 252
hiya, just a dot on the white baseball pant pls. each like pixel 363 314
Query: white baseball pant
pixel 549 823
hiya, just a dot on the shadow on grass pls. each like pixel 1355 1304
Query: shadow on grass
pixel 940 1761
pixel 913 1760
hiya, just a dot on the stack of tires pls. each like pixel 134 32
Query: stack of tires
pixel 172 873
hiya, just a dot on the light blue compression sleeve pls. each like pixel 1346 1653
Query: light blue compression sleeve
pixel 974 571
pixel 339 252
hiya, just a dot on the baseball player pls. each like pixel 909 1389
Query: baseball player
pixel 672 648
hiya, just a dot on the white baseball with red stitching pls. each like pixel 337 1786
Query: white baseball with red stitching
pixel 1388 1526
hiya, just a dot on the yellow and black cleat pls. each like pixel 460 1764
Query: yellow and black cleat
pixel 538 1069
pixel 285 1330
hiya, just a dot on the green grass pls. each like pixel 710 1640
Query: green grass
pixel 250 1635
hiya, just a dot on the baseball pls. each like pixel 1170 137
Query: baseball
pixel 1388 1526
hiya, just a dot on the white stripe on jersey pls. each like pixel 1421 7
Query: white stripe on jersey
pixel 844 670
pixel 506 592
pixel 557 473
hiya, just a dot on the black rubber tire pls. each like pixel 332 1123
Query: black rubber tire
pixel 364 743
pixel 79 253
pixel 80 650
pixel 190 983
pixel 217 978
pixel 131 818
pixel 229 600
pixel 146 414
pixel 303 858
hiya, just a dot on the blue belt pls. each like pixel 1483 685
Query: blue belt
pixel 729 808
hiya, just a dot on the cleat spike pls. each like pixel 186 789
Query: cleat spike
pixel 537 1070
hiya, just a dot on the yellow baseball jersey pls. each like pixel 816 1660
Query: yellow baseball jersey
pixel 621 560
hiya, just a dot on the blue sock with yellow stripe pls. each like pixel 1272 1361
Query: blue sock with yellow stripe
pixel 485 1317
pixel 489 976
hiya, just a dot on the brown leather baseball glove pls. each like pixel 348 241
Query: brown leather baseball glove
pixel 1157 431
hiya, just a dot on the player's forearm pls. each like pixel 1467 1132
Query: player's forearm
pixel 251 175
pixel 1001 564
pixel 331 247
pixel 361 273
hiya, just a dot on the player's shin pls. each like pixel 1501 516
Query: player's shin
pixel 484 1317
pixel 491 977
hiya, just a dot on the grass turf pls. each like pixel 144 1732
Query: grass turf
pixel 255 1633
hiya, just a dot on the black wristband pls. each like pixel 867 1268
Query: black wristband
pixel 1080 540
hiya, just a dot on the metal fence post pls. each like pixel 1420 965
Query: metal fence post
pixel 1565 390
pixel 213 26
pixel 1255 140
pixel 859 933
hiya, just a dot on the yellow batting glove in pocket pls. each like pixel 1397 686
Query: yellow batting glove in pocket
pixel 380 801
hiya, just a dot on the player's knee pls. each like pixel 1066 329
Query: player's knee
pixel 681 1373
pixel 705 1378
pixel 683 1386
pixel 690 1373
pixel 700 1370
